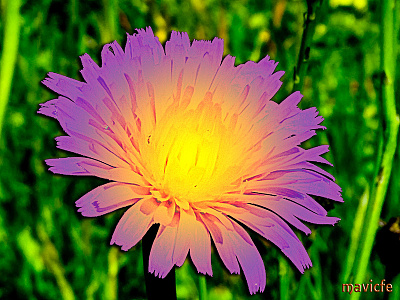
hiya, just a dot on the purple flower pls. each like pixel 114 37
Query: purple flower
pixel 195 144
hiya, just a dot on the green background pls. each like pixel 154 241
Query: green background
pixel 49 251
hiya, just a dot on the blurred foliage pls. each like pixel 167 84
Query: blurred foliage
pixel 49 251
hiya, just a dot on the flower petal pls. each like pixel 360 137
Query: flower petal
pixel 109 197
pixel 132 226
pixel 81 121
pixel 184 234
pixel 296 183
pixel 200 248
pixel 249 258
pixel 236 245
pixel 225 247
pixel 165 213
pixel 160 260
pixel 277 231
pixel 82 166
pixel 63 85
pixel 90 148
pixel 290 211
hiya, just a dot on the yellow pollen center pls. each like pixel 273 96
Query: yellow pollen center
pixel 191 155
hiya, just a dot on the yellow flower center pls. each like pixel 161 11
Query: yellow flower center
pixel 192 155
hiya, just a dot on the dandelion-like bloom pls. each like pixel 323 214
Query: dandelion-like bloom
pixel 195 144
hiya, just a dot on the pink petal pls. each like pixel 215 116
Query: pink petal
pixel 177 48
pixel 249 258
pixel 160 260
pixel 48 108
pixel 290 211
pixel 82 166
pixel 184 234
pixel 296 183
pixel 236 245
pixel 149 206
pixel 144 44
pixel 132 226
pixel 225 247
pixel 165 213
pixel 109 197
pixel 90 148
pixel 63 85
pixel 300 198
pixel 278 232
pixel 79 123
pixel 225 74
pixel 200 248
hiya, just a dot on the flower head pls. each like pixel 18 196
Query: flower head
pixel 194 143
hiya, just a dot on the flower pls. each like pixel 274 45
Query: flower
pixel 195 144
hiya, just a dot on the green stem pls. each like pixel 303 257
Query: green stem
pixel 203 287
pixel 356 234
pixel 108 25
pixel 284 281
pixel 391 125
pixel 111 287
pixel 304 52
pixel 10 51
pixel 298 77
